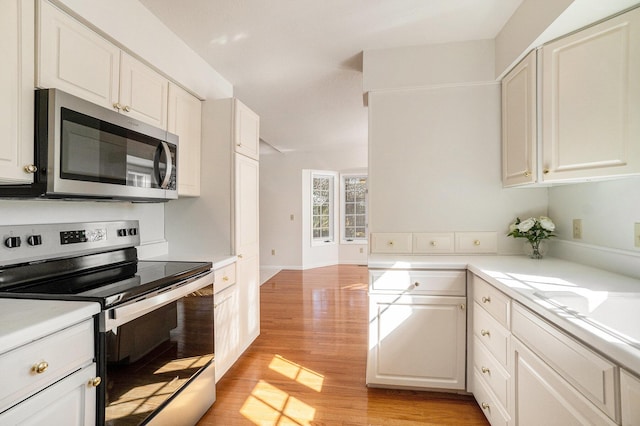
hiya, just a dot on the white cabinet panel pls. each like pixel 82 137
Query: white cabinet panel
pixel 185 120
pixel 424 283
pixel 16 86
pixel 248 274
pixel 227 327
pixel 247 189
pixel 143 92
pixel 630 395
pixel 246 131
pixel 519 122
pixel 476 242
pixel 544 398
pixel 417 342
pixel 391 242
pixel 69 402
pixel 433 243
pixel 591 101
pixel 593 375
pixel 75 59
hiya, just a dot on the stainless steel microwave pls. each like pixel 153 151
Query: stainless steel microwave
pixel 83 150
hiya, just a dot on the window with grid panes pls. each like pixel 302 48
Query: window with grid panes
pixel 354 207
pixel 322 208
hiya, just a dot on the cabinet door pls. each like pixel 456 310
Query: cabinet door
pixel 542 397
pixel 630 395
pixel 143 92
pixel 227 340
pixel 519 118
pixel 591 101
pixel 248 282
pixel 70 402
pixel 246 130
pixel 417 342
pixel 74 59
pixel 184 120
pixel 247 178
pixel 16 86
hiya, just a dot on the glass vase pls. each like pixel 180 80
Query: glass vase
pixel 535 249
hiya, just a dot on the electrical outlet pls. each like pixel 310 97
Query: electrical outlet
pixel 577 229
pixel 273 252
pixel 636 234
pixel 291 217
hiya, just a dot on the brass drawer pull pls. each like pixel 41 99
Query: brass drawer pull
pixel 486 299
pixel 41 367
pixel 95 382
pixel 485 332
pixel 485 370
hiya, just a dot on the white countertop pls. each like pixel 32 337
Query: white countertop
pixel 600 308
pixel 25 320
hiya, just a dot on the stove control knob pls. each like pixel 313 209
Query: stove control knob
pixel 34 240
pixel 12 242
pixel 133 231
pixel 122 232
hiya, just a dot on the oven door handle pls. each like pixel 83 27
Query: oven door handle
pixel 115 317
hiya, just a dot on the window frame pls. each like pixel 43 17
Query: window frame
pixel 343 209
pixel 332 210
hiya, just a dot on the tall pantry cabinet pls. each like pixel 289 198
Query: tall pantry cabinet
pixel 232 146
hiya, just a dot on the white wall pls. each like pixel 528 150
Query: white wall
pixel 609 210
pixel 281 196
pixel 434 151
pixel 434 164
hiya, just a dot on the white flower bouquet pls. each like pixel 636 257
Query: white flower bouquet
pixel 534 230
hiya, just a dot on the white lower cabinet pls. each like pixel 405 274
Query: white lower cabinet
pixel 69 402
pixel 227 340
pixel 630 398
pixel 417 341
pixel 51 380
pixel 543 397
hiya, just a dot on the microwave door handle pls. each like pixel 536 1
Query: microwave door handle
pixel 156 163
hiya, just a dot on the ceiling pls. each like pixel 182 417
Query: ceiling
pixel 298 63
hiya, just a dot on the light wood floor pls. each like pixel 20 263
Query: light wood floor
pixel 307 367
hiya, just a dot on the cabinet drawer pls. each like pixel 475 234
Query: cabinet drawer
pixel 491 333
pixel 493 374
pixel 590 373
pixel 492 300
pixel 224 277
pixel 433 243
pixel 476 242
pixel 65 352
pixel 391 242
pixel 430 283
pixel 488 402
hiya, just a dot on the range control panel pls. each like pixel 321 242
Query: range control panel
pixel 27 243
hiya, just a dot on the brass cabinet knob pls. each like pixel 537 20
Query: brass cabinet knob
pixel 126 108
pixel 40 367
pixel 433 243
pixel 485 406
pixel 30 168
pixel 117 106
pixel 390 243
pixel 476 243
pixel 485 332
pixel 527 173
pixel 416 284
pixel 239 256
pixel 545 171
pixel 95 382
pixel 486 299
pixel 485 370
pixel 225 278
pixel 463 306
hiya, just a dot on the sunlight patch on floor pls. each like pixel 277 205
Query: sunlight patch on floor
pixel 270 405
pixel 296 372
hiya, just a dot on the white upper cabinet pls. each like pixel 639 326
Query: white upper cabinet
pixel 184 120
pixel 75 59
pixel 16 86
pixel 246 131
pixel 519 136
pixel 591 101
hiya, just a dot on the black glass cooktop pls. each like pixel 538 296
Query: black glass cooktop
pixel 109 278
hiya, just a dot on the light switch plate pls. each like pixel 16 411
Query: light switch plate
pixel 577 229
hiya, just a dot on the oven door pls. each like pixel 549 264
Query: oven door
pixel 157 355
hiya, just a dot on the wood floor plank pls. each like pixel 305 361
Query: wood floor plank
pixel 307 367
